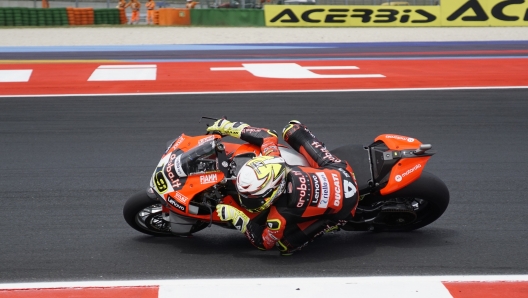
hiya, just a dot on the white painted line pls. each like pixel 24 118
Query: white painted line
pixel 15 75
pixel 295 71
pixel 306 288
pixel 124 73
pixel 307 67
pixel 128 66
pixel 330 67
pixel 344 281
pixel 271 91
pixel 226 68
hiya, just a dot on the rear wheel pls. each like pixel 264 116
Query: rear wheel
pixel 144 215
pixel 417 205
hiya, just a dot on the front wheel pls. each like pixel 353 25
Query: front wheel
pixel 144 215
pixel 427 199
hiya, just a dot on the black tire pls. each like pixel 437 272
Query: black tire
pixel 431 197
pixel 144 215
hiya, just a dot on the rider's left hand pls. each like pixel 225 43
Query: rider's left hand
pixel 227 128
pixel 230 213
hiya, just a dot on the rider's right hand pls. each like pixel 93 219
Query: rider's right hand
pixel 232 214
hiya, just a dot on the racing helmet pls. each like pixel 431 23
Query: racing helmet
pixel 260 181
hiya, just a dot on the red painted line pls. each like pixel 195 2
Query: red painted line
pixel 110 292
pixel 487 289
pixel 175 77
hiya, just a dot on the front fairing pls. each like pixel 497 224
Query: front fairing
pixel 187 168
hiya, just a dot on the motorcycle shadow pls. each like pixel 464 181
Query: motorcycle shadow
pixel 329 247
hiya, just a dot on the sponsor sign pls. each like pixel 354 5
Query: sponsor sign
pixel 181 198
pixel 302 189
pixel 485 13
pixel 178 142
pixel 325 190
pixel 399 178
pixel 337 189
pixel 208 178
pixel 351 16
pixel 316 190
pixel 176 204
pixel 205 140
pixel 449 13
pixel 178 167
pixel 170 173
pixel 397 137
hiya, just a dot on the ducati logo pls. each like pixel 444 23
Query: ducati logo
pixel 350 189
pixel 238 225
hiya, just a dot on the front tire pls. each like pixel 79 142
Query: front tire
pixel 429 198
pixel 144 215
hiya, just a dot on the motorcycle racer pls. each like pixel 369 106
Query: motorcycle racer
pixel 302 203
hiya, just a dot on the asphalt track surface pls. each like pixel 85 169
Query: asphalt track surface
pixel 67 165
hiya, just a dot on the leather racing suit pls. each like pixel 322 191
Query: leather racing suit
pixel 317 199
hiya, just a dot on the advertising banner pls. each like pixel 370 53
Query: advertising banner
pixel 484 13
pixel 461 13
pixel 351 16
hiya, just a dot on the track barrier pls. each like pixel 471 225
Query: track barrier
pixel 228 17
pixel 173 16
pixel 22 16
pixel 483 13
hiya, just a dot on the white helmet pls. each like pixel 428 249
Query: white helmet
pixel 260 181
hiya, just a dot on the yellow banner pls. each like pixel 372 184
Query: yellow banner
pixel 351 16
pixel 461 13
pixel 484 13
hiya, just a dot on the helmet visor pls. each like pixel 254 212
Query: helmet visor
pixel 262 202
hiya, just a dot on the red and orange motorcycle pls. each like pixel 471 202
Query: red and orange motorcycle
pixel 198 172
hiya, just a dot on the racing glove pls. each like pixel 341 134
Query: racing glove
pixel 230 213
pixel 227 128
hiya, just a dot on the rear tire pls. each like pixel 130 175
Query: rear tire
pixel 429 197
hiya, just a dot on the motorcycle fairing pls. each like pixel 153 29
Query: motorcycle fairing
pixel 176 187
pixel 398 142
pixel 408 168
pixel 404 173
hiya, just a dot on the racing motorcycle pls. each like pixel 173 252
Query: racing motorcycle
pixel 198 172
